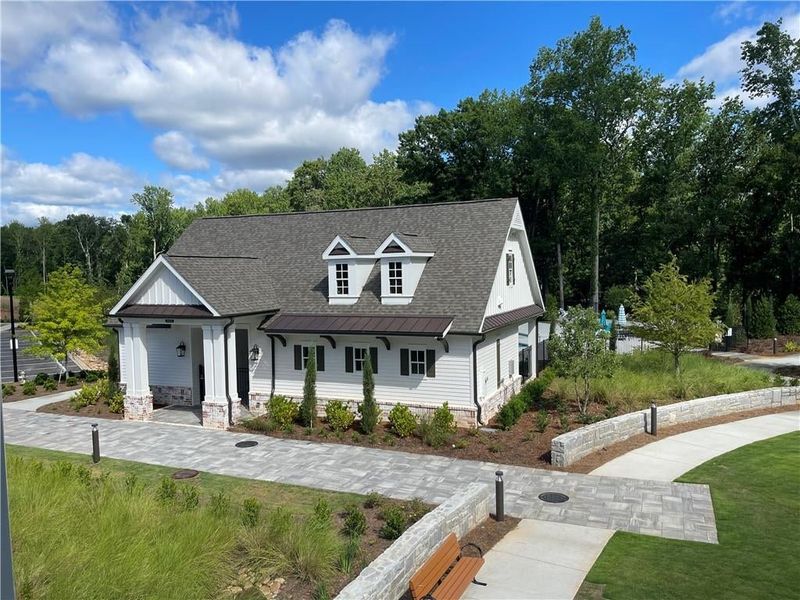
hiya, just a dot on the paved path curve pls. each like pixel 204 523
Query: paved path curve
pixel 549 561
pixel 34 404
pixel 675 510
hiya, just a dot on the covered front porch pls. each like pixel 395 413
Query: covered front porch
pixel 183 369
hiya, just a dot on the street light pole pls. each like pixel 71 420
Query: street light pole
pixel 10 286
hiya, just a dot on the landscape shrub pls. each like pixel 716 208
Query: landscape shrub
pixel 167 490
pixel 415 509
pixel 116 402
pixel 394 523
pixel 355 523
pixel 188 497
pixel 620 294
pixel 437 430
pixel 50 385
pixel 338 415
pixel 791 346
pixel 322 512
pixel 511 412
pixel 351 555
pixel 789 316
pixel 542 420
pixel 402 420
pixel 533 392
pixel 219 504
pixel 762 321
pixel 72 381
pixel 41 378
pixel 258 424
pixel 373 500
pixel 251 510
pixel 29 388
pixel 564 422
pixel 91 393
pixel 91 377
pixel 9 389
pixel 308 407
pixel 282 412
pixel 368 409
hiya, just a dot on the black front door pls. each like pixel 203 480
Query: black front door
pixel 243 366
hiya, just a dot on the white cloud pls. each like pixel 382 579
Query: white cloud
pixel 80 183
pixel 189 190
pixel 248 107
pixel 178 152
pixel 30 101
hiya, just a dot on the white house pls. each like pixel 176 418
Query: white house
pixel 435 295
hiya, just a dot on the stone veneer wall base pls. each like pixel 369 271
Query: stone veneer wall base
pixel 570 447
pixel 387 577
pixel 138 408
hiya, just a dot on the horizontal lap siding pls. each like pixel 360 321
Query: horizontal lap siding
pixel 164 366
pixel 452 383
pixel 487 358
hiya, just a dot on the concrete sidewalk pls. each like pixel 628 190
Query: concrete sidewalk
pixel 34 404
pixel 550 560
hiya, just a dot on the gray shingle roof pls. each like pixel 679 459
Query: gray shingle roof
pixel 215 255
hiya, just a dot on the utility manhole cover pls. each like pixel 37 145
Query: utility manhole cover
pixel 246 444
pixel 554 497
pixel 185 474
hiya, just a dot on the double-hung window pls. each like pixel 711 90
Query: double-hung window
pixel 395 277
pixel 418 361
pixel 355 357
pixel 342 279
pixel 301 354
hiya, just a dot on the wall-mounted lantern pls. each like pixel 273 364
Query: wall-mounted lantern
pixel 181 350
pixel 255 351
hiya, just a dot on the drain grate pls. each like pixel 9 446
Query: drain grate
pixel 185 474
pixel 246 444
pixel 554 497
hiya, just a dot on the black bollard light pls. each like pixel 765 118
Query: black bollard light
pixel 499 504
pixel 653 419
pixel 774 345
pixel 95 443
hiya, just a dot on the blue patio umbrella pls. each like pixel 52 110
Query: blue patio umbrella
pixel 604 321
pixel 622 320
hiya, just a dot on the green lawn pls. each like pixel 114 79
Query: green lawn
pixel 756 495
pixel 643 377
pixel 121 530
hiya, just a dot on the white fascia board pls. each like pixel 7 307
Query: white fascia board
pixel 336 241
pixel 393 238
pixel 136 287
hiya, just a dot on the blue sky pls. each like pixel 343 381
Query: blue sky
pixel 99 99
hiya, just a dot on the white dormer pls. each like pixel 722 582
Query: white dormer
pixel 403 257
pixel 347 270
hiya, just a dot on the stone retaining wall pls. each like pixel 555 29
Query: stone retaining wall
pixel 387 577
pixel 574 445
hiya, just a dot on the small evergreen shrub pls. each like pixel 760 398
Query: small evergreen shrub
pixel 437 430
pixel 251 511
pixel 402 420
pixel 50 385
pixel 41 378
pixel 116 402
pixel 91 393
pixel 415 509
pixel 789 316
pixel 282 412
pixel 339 417
pixel 355 523
pixel 308 408
pixel 762 323
pixel 373 500
pixel 29 388
pixel 72 381
pixel 322 512
pixel 534 390
pixel 564 422
pixel 188 497
pixel 167 490
pixel 394 523
pixel 511 412
pixel 91 377
pixel 9 389
pixel 369 411
pixel 542 420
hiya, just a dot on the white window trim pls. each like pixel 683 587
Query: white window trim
pixel 399 264
pixel 342 268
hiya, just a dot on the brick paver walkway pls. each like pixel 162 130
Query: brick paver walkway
pixel 673 510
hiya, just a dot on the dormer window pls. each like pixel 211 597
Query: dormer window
pixel 395 277
pixel 342 279
pixel 510 274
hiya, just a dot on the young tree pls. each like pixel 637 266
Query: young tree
pixel 675 314
pixel 580 352
pixel 308 409
pixel 67 316
pixel 113 363
pixel 763 324
pixel 790 315
pixel 370 413
pixel 156 206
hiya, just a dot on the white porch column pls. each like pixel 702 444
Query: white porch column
pixel 233 382
pixel 215 403
pixel 138 399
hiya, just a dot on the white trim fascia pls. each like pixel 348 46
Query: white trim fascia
pixel 393 238
pixel 336 241
pixel 160 260
pixel 446 330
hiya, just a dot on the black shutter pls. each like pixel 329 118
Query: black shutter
pixel 513 271
pixel 373 357
pixel 499 374
pixel 320 358
pixel 430 363
pixel 348 359
pixel 403 361
pixel 509 258
pixel 298 358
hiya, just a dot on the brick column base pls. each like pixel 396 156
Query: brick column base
pixel 138 408
pixel 215 414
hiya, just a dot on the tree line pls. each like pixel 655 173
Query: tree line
pixel 617 170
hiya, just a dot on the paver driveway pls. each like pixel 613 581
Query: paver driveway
pixel 674 510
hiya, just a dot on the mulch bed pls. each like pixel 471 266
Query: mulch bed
pixel 487 534
pixel 790 371
pixel 764 346
pixel 40 391
pixel 92 410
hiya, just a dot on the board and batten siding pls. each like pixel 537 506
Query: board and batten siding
pixel 165 288
pixel 487 359
pixel 508 297
pixel 451 384
pixel 164 366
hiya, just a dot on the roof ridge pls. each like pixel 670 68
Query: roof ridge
pixel 212 256
pixel 360 208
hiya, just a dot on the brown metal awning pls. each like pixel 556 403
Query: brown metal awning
pixel 164 310
pixel 512 316
pixel 358 324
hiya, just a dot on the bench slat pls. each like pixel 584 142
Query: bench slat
pixel 458 579
pixel 434 568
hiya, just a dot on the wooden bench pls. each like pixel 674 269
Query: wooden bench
pixel 447 573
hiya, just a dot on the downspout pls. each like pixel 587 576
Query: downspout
pixel 475 376
pixel 272 361
pixel 227 385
